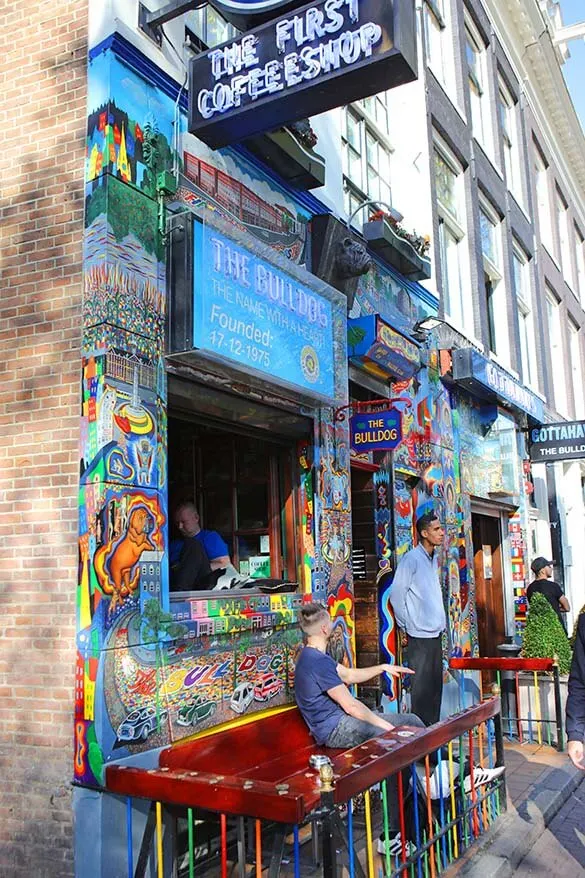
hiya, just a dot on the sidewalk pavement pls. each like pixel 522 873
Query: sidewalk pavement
pixel 539 781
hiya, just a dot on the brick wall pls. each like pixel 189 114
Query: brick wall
pixel 42 126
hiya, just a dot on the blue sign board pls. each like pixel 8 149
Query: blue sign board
pixel 252 313
pixel 376 431
pixel 484 378
pixel 378 348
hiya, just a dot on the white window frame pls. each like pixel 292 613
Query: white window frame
pixel 456 291
pixel 358 191
pixel 439 54
pixel 496 303
pixel 576 360
pixel 580 262
pixel 543 200
pixel 557 351
pixel 564 232
pixel 203 23
pixel 524 301
pixel 510 140
pixel 479 88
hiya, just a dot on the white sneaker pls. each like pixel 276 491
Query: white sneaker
pixel 482 776
pixel 395 845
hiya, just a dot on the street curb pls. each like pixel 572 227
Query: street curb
pixel 500 851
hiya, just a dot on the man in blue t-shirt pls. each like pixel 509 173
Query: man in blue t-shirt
pixel 337 719
pixel 195 544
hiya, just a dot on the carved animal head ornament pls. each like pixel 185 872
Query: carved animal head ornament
pixel 351 258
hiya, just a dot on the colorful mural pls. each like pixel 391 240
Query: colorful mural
pixel 385 292
pixel 426 475
pixel 150 671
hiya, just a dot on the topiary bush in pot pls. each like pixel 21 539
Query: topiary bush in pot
pixel 544 636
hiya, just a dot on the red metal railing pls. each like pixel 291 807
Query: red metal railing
pixel 270 788
pixel 538 717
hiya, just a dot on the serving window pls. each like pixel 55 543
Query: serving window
pixel 244 487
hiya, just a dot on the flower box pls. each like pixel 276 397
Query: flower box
pixel 299 165
pixel 396 250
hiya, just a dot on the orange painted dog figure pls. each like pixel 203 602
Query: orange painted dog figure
pixel 126 556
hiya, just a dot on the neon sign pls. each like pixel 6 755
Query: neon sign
pixel 291 67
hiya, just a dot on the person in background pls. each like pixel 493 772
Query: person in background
pixel 576 699
pixel 187 522
pixel 543 584
pixel 417 601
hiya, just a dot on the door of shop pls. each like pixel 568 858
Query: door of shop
pixel 489 590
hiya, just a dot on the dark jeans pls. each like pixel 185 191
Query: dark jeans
pixel 349 732
pixel 425 656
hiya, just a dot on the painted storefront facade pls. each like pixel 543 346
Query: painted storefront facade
pixel 149 671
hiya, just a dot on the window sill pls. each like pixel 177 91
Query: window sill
pixel 451 98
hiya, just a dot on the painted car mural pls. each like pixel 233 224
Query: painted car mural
pixel 199 709
pixel 267 687
pixel 242 697
pixel 139 724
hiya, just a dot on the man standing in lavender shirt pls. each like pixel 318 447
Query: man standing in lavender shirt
pixel 417 600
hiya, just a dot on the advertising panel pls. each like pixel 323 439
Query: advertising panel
pixel 249 311
pixel 376 431
pixel 301 65
pixel 561 441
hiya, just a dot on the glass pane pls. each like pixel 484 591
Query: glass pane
pixel 252 506
pixel 251 462
pixel 382 115
pixel 384 164
pixel 371 150
pixel 217 512
pixel 352 130
pixel 373 183
pixel 385 192
pixel 218 30
pixel 488 237
pixel 369 107
pixel 217 462
pixel 445 180
pixel 354 166
pixel 472 56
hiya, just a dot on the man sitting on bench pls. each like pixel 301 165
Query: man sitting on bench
pixel 336 719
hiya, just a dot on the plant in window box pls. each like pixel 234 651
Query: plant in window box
pixel 406 251
pixel 543 637
pixel 290 152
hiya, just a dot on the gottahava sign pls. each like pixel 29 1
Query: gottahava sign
pixel 560 441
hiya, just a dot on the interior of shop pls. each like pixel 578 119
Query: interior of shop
pixel 236 460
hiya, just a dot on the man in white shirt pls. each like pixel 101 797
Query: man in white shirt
pixel 417 600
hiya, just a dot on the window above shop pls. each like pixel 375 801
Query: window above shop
pixel 366 152
pixel 454 258
pixel 565 254
pixel 543 199
pixel 580 263
pixel 526 325
pixel 440 56
pixel 479 90
pixel 494 285
pixel 576 355
pixel 557 352
pixel 511 140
